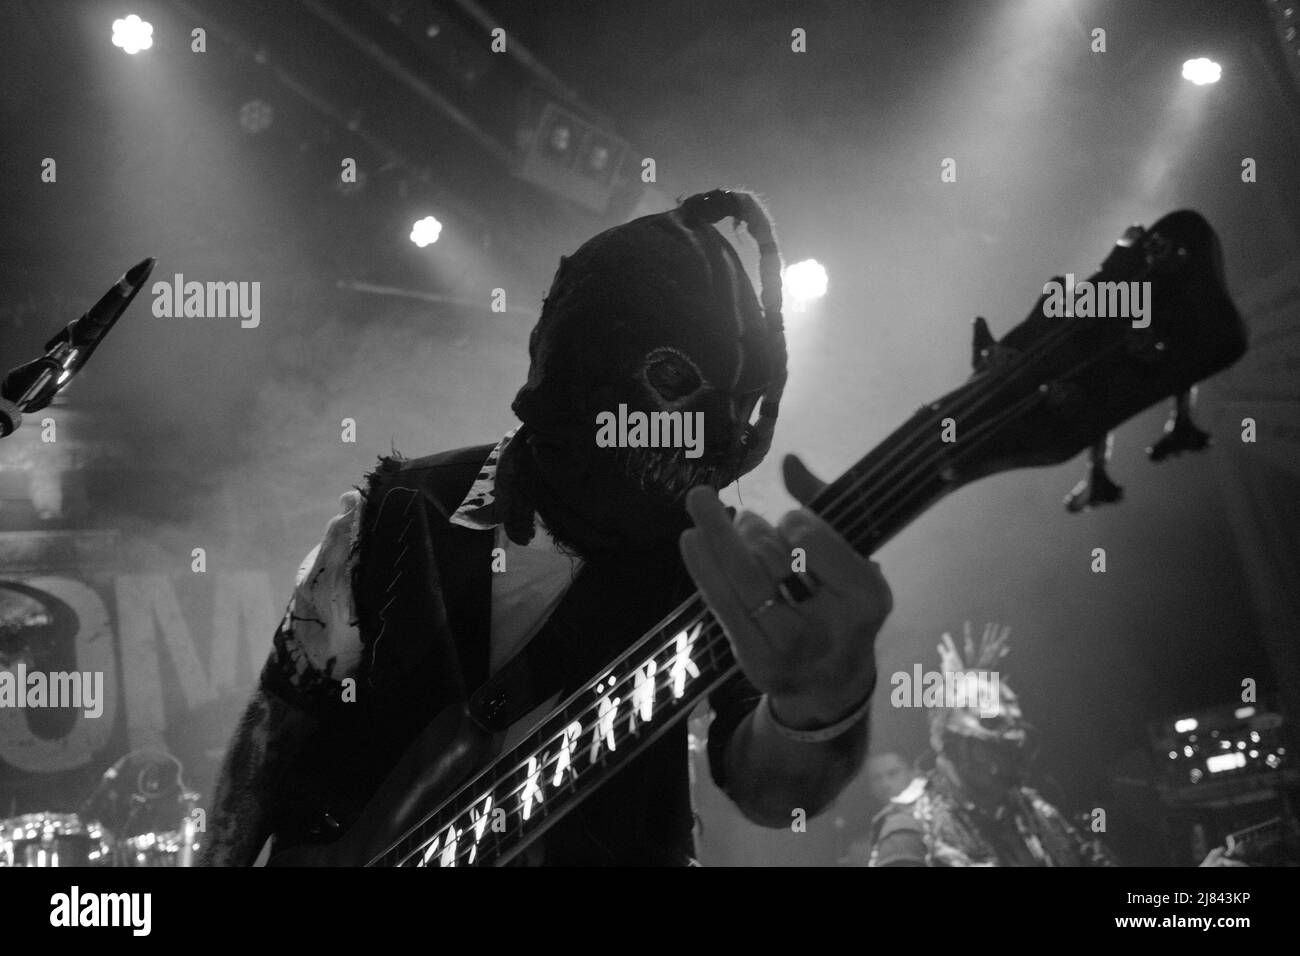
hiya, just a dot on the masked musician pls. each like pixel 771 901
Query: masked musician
pixel 973 808
pixel 444 573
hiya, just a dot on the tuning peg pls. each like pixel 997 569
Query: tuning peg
pixel 1181 432
pixel 1096 488
pixel 982 343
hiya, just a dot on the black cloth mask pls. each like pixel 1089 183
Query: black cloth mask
pixel 655 315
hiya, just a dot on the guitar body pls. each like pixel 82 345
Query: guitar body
pixel 440 759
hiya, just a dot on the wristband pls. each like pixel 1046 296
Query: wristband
pixel 822 734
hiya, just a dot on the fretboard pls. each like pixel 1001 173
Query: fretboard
pixel 659 680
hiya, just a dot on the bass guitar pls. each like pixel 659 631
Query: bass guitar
pixel 1053 386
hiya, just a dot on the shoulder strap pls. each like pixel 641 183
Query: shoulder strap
pixel 420 575
pixel 419 584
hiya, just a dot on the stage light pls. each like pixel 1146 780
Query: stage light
pixel 132 34
pixel 1225 762
pixel 1241 713
pixel 803 282
pixel 559 139
pixel 255 116
pixel 570 156
pixel 1184 725
pixel 1202 71
pixel 426 231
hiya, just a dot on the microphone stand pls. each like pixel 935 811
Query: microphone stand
pixel 31 387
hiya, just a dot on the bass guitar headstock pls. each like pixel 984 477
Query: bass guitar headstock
pixel 1151 323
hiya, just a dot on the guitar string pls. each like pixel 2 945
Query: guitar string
pixel 713 640
pixel 708 638
pixel 853 495
pixel 850 494
pixel 967 448
pixel 855 527
pixel 849 497
pixel 853 491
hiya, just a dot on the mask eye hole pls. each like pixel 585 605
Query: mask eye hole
pixel 748 403
pixel 671 377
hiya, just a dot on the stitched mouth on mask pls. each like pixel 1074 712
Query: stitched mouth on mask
pixel 1011 738
pixel 669 473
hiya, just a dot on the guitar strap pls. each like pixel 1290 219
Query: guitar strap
pixel 422 590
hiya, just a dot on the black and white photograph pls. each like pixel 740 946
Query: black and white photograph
pixel 730 434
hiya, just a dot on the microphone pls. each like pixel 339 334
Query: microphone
pixel 31 387
pixel 88 809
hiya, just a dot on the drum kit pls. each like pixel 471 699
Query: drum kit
pixel 140 814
